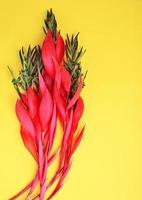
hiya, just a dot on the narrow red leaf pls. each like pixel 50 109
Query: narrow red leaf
pixel 77 113
pixel 34 184
pixel 77 141
pixel 59 102
pixel 68 130
pixel 65 172
pixel 24 118
pixel 29 185
pixel 60 183
pixel 45 109
pixel 53 157
pixel 32 102
pixel 22 191
pixel 66 137
pixel 76 95
pixel 38 127
pixel 53 126
pixel 57 189
pixel 40 157
pixel 48 51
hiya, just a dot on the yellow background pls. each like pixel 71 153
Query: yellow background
pixel 108 163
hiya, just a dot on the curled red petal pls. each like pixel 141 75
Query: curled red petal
pixel 60 49
pixel 76 95
pixel 32 102
pixel 48 51
pixel 29 143
pixel 24 118
pixel 45 109
pixel 66 79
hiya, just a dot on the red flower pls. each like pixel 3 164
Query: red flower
pixel 50 94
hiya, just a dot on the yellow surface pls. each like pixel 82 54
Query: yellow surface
pixel 108 164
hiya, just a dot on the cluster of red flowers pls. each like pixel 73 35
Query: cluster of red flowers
pixel 38 109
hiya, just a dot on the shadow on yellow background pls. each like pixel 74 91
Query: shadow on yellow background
pixel 108 163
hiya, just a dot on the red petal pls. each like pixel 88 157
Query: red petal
pixel 40 156
pixel 77 113
pixel 48 51
pixel 66 137
pixel 24 118
pixel 32 102
pixel 53 157
pixel 37 126
pixel 57 74
pixel 53 125
pixel 29 142
pixel 48 81
pixel 76 96
pixel 59 103
pixel 24 98
pixel 68 130
pixel 42 86
pixel 66 79
pixel 60 49
pixel 63 94
pixel 77 141
pixel 78 109
pixel 57 189
pixel 65 172
pixel 45 109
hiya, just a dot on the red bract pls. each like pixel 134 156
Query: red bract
pixel 29 143
pixel 45 109
pixel 48 53
pixel 52 86
pixel 32 102
pixel 60 49
pixel 66 79
pixel 76 95
pixel 24 118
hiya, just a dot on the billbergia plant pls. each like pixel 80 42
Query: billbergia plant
pixel 49 85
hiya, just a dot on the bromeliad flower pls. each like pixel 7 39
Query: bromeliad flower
pixel 49 87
